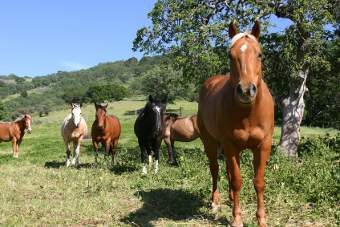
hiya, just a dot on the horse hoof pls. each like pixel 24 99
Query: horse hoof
pixel 262 222
pixel 15 156
pixel 215 207
pixel 237 222
pixel 172 163
pixel 68 163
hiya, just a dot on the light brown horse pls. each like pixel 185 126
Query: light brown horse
pixel 183 129
pixel 15 131
pixel 237 111
pixel 105 130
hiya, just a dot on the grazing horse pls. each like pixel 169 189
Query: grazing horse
pixel 183 129
pixel 237 111
pixel 105 130
pixel 73 129
pixel 149 129
pixel 15 131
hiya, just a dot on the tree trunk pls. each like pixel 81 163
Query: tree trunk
pixel 292 114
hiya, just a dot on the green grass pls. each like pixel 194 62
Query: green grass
pixel 37 189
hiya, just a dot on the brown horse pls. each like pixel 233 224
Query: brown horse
pixel 183 129
pixel 105 130
pixel 15 131
pixel 237 111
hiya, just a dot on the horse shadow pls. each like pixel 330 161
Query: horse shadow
pixel 57 165
pixel 172 204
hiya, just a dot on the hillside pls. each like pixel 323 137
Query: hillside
pixel 51 92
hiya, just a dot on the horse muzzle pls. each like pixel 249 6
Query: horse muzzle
pixel 246 94
pixel 29 131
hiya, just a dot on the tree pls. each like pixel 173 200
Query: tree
pixel 194 35
pixel 24 94
pixel 161 81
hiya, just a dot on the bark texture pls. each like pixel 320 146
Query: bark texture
pixel 293 109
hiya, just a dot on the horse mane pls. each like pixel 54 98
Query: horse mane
pixel 241 35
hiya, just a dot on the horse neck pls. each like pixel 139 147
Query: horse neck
pixel 21 125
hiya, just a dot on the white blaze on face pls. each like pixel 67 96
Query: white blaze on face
pixel 243 47
pixel 76 116
pixel 29 127
pixel 158 109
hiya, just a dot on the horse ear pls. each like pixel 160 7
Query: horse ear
pixel 256 29
pixel 73 105
pixel 96 105
pixel 150 98
pixel 105 106
pixel 232 29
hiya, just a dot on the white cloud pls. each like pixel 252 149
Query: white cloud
pixel 73 65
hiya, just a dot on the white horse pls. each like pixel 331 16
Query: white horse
pixel 74 129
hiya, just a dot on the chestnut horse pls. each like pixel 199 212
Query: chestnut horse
pixel 73 129
pixel 183 129
pixel 15 131
pixel 237 111
pixel 105 130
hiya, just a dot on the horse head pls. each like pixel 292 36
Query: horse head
pixel 100 114
pixel 246 66
pixel 76 114
pixel 28 123
pixel 156 109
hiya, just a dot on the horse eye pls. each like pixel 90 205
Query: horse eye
pixel 259 55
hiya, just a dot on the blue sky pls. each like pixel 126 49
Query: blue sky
pixel 38 37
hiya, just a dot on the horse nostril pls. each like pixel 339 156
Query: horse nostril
pixel 252 90
pixel 239 89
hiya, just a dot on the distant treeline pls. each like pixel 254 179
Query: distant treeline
pixel 104 82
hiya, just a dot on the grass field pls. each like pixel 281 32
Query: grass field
pixel 37 189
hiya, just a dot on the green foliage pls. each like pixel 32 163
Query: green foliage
pixel 24 94
pixel 3 113
pixel 106 93
pixel 162 81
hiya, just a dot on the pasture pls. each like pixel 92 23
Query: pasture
pixel 37 189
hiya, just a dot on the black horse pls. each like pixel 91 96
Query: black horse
pixel 149 127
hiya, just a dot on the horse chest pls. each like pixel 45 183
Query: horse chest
pixel 248 138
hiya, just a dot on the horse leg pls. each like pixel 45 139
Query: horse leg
pixel 156 150
pixel 95 146
pixel 174 162
pixel 113 150
pixel 68 154
pixel 107 147
pixel 15 148
pixel 210 148
pixel 231 196
pixel 168 143
pixel 260 158
pixel 76 146
pixel 232 159
pixel 143 156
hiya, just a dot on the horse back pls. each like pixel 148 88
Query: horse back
pixel 7 131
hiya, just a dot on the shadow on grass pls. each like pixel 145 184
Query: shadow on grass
pixel 58 164
pixel 7 158
pixel 172 204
